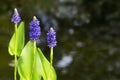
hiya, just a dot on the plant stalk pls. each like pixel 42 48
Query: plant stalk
pixel 51 55
pixel 15 67
pixel 34 55
pixel 15 56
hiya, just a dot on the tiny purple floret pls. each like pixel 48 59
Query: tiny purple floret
pixel 34 29
pixel 51 38
pixel 15 17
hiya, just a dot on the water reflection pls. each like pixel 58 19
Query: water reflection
pixel 66 9
pixel 65 61
pixel 47 20
pixel 71 31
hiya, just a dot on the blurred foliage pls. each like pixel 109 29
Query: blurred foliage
pixel 87 29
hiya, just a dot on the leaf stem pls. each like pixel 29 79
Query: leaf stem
pixel 15 56
pixel 51 61
pixel 51 55
pixel 34 47
pixel 15 67
pixel 34 55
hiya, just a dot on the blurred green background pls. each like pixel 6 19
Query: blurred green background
pixel 88 36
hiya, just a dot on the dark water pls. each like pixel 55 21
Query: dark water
pixel 88 36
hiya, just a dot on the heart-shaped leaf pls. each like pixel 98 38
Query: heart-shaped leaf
pixel 29 63
pixel 16 43
pixel 47 70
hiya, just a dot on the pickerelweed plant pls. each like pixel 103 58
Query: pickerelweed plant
pixel 29 60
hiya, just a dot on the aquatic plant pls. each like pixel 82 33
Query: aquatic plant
pixel 31 63
pixel 17 41
pixel 51 39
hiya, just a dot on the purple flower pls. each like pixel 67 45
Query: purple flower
pixel 51 38
pixel 34 29
pixel 15 17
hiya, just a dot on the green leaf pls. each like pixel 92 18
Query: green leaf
pixel 29 63
pixel 25 61
pixel 32 64
pixel 47 70
pixel 36 74
pixel 16 43
pixel 22 78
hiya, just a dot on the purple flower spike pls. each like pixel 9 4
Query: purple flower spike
pixel 15 17
pixel 51 38
pixel 34 29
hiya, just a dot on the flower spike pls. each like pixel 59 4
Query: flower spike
pixel 34 29
pixel 15 17
pixel 51 38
